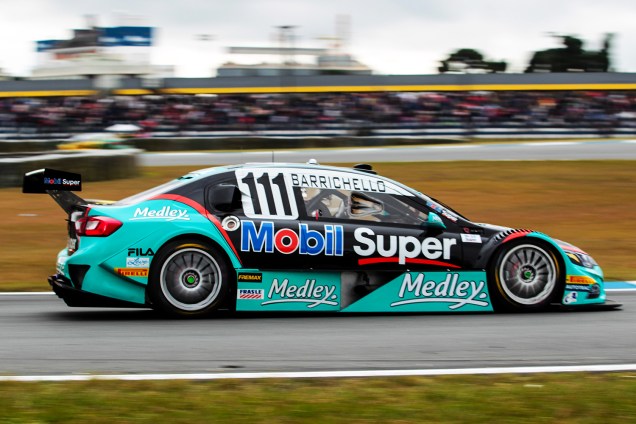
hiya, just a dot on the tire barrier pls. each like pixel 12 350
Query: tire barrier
pixel 30 146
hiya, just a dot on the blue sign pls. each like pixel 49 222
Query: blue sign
pixel 45 45
pixel 126 36
pixel 110 37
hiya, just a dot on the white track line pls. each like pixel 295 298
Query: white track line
pixel 458 146
pixel 322 374
pixel 551 144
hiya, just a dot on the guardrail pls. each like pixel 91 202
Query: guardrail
pixel 335 137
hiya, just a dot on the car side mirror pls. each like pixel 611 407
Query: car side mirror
pixel 225 197
pixel 434 222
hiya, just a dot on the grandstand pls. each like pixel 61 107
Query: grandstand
pixel 336 98
pixel 370 111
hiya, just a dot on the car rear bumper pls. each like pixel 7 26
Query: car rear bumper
pixel 64 289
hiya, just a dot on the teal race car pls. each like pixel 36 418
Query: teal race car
pixel 303 237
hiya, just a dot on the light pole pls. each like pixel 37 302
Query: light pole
pixel 286 39
pixel 207 39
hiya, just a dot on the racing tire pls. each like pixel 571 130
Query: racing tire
pixel 525 276
pixel 189 279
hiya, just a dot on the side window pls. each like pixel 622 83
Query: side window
pixel 223 197
pixel 360 206
pixel 325 203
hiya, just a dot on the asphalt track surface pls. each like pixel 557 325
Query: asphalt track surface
pixel 550 150
pixel 40 335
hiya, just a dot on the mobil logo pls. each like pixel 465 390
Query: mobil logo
pixel 263 238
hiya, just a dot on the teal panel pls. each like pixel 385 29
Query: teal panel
pixel 579 280
pixel 429 292
pixel 102 282
pixel 105 283
pixel 288 291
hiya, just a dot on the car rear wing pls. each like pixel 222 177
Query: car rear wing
pixel 58 184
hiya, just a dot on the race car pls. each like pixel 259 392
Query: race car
pixel 94 141
pixel 303 237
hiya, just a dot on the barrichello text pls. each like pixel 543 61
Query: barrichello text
pixel 405 248
pixel 450 289
pixel 310 292
pixel 329 242
pixel 343 181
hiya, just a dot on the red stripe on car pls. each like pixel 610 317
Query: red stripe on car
pixel 203 211
pixel 371 261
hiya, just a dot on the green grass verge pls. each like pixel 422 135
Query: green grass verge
pixel 588 203
pixel 537 398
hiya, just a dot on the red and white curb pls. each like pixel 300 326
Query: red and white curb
pixel 620 286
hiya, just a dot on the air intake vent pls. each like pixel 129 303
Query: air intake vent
pixel 511 234
pixel 77 273
pixel 364 167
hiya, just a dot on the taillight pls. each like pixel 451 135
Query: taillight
pixel 96 226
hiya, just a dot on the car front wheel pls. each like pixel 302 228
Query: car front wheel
pixel 526 276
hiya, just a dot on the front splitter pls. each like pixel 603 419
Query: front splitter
pixel 609 305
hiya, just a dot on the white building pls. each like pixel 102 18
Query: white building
pixel 289 60
pixel 100 52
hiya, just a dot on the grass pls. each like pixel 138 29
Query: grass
pixel 537 398
pixel 588 203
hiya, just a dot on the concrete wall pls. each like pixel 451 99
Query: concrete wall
pixel 540 81
pixel 406 80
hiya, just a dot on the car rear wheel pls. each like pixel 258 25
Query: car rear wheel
pixel 189 279
pixel 526 276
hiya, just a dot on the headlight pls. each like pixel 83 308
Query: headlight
pixel 582 259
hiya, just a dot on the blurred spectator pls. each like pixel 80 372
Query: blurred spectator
pixel 597 109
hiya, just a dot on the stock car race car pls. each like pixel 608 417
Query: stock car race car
pixel 303 237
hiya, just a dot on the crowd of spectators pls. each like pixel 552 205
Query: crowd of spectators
pixel 256 112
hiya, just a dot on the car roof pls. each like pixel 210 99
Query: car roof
pixel 281 165
pixel 361 170
pixel 201 174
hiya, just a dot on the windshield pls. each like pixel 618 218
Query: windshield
pixel 432 203
pixel 442 208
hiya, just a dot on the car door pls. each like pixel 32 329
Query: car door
pixel 264 226
pixel 378 230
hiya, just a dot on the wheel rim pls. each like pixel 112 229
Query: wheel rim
pixel 190 279
pixel 528 274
